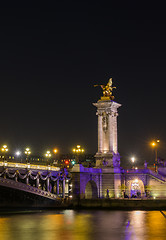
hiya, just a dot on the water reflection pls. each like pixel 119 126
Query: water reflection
pixel 84 225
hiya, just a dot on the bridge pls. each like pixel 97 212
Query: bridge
pixel 33 182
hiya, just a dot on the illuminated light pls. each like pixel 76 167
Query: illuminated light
pixel 27 149
pixel 78 146
pixel 73 162
pixel 158 141
pixel 70 196
pixel 66 162
pixel 18 153
pixel 48 154
pixel 154 197
pixel 136 180
pixel 133 159
pixel 4 148
pixel 153 144
pixel 74 149
pixel 55 150
pixel 136 168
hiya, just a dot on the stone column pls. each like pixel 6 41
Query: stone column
pixel 100 133
pixel 100 186
pixel 115 147
pixel 37 182
pixel 63 188
pixel 57 187
pixel 48 184
pixel 110 132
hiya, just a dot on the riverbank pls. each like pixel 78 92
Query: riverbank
pixel 105 204
pixel 121 204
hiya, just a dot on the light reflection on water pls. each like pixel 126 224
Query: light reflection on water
pixel 84 225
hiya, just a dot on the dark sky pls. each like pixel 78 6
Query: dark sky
pixel 52 55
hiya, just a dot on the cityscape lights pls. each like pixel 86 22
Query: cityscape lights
pixel 78 150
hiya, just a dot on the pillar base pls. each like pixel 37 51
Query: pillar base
pixel 107 159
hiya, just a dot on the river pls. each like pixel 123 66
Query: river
pixel 83 225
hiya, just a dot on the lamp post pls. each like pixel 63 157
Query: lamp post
pixel 133 160
pixel 155 146
pixel 18 153
pixel 48 155
pixel 55 152
pixel 27 153
pixel 78 150
pixel 4 150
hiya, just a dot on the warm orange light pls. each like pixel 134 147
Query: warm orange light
pixel 153 144
pixel 78 149
pixel 55 150
pixel 4 148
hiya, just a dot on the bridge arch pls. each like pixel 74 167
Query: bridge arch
pixel 91 190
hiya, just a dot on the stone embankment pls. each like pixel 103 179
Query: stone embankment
pixel 122 204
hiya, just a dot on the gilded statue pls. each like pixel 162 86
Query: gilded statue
pixel 107 90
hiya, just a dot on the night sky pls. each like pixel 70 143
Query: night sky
pixel 52 55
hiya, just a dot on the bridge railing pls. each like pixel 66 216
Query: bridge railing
pixel 29 166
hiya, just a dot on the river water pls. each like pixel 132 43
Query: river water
pixel 84 225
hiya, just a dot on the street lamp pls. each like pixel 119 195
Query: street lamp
pixel 133 160
pixel 18 153
pixel 77 151
pixel 48 155
pixel 55 150
pixel 155 145
pixel 4 149
pixel 27 153
pixel 56 160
